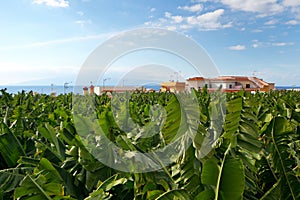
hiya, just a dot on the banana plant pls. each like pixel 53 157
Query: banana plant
pixel 253 145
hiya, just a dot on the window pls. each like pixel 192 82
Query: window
pixel 230 86
pixel 247 85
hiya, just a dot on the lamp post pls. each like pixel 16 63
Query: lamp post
pixel 103 84
pixel 53 93
pixel 66 86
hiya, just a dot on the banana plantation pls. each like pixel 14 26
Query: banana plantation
pixel 252 140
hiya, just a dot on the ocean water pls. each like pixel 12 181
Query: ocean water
pixel 42 89
pixel 287 87
pixel 58 89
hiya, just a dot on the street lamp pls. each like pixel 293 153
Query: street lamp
pixel 52 86
pixel 103 85
pixel 66 86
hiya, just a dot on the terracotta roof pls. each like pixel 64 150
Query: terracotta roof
pixel 236 78
pixel 260 81
pixel 225 78
pixel 195 79
pixel 222 78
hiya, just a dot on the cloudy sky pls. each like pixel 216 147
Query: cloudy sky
pixel 47 41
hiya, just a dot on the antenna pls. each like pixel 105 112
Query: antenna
pixel 254 73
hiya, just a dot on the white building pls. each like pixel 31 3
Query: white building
pixel 230 83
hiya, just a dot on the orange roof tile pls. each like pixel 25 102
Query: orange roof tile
pixel 195 79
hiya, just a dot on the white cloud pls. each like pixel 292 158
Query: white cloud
pixel 199 1
pixel 82 23
pixel 211 16
pixel 193 8
pixel 257 31
pixel 175 19
pixel 80 13
pixel 261 6
pixel 148 23
pixel 53 3
pixel 152 9
pixel 282 44
pixel 271 22
pixel 237 48
pixel 296 12
pixel 292 3
pixel 168 15
pixel 292 22
pixel 208 21
pixel 185 26
pixel 171 28
pixel 257 44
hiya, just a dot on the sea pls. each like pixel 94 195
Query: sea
pixel 58 89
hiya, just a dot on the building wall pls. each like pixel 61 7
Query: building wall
pixel 271 86
pixel 252 85
pixel 231 84
pixel 218 85
pixel 180 86
pixel 195 84
pixel 173 86
pixel 97 90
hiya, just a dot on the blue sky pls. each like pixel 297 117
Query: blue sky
pixel 47 41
